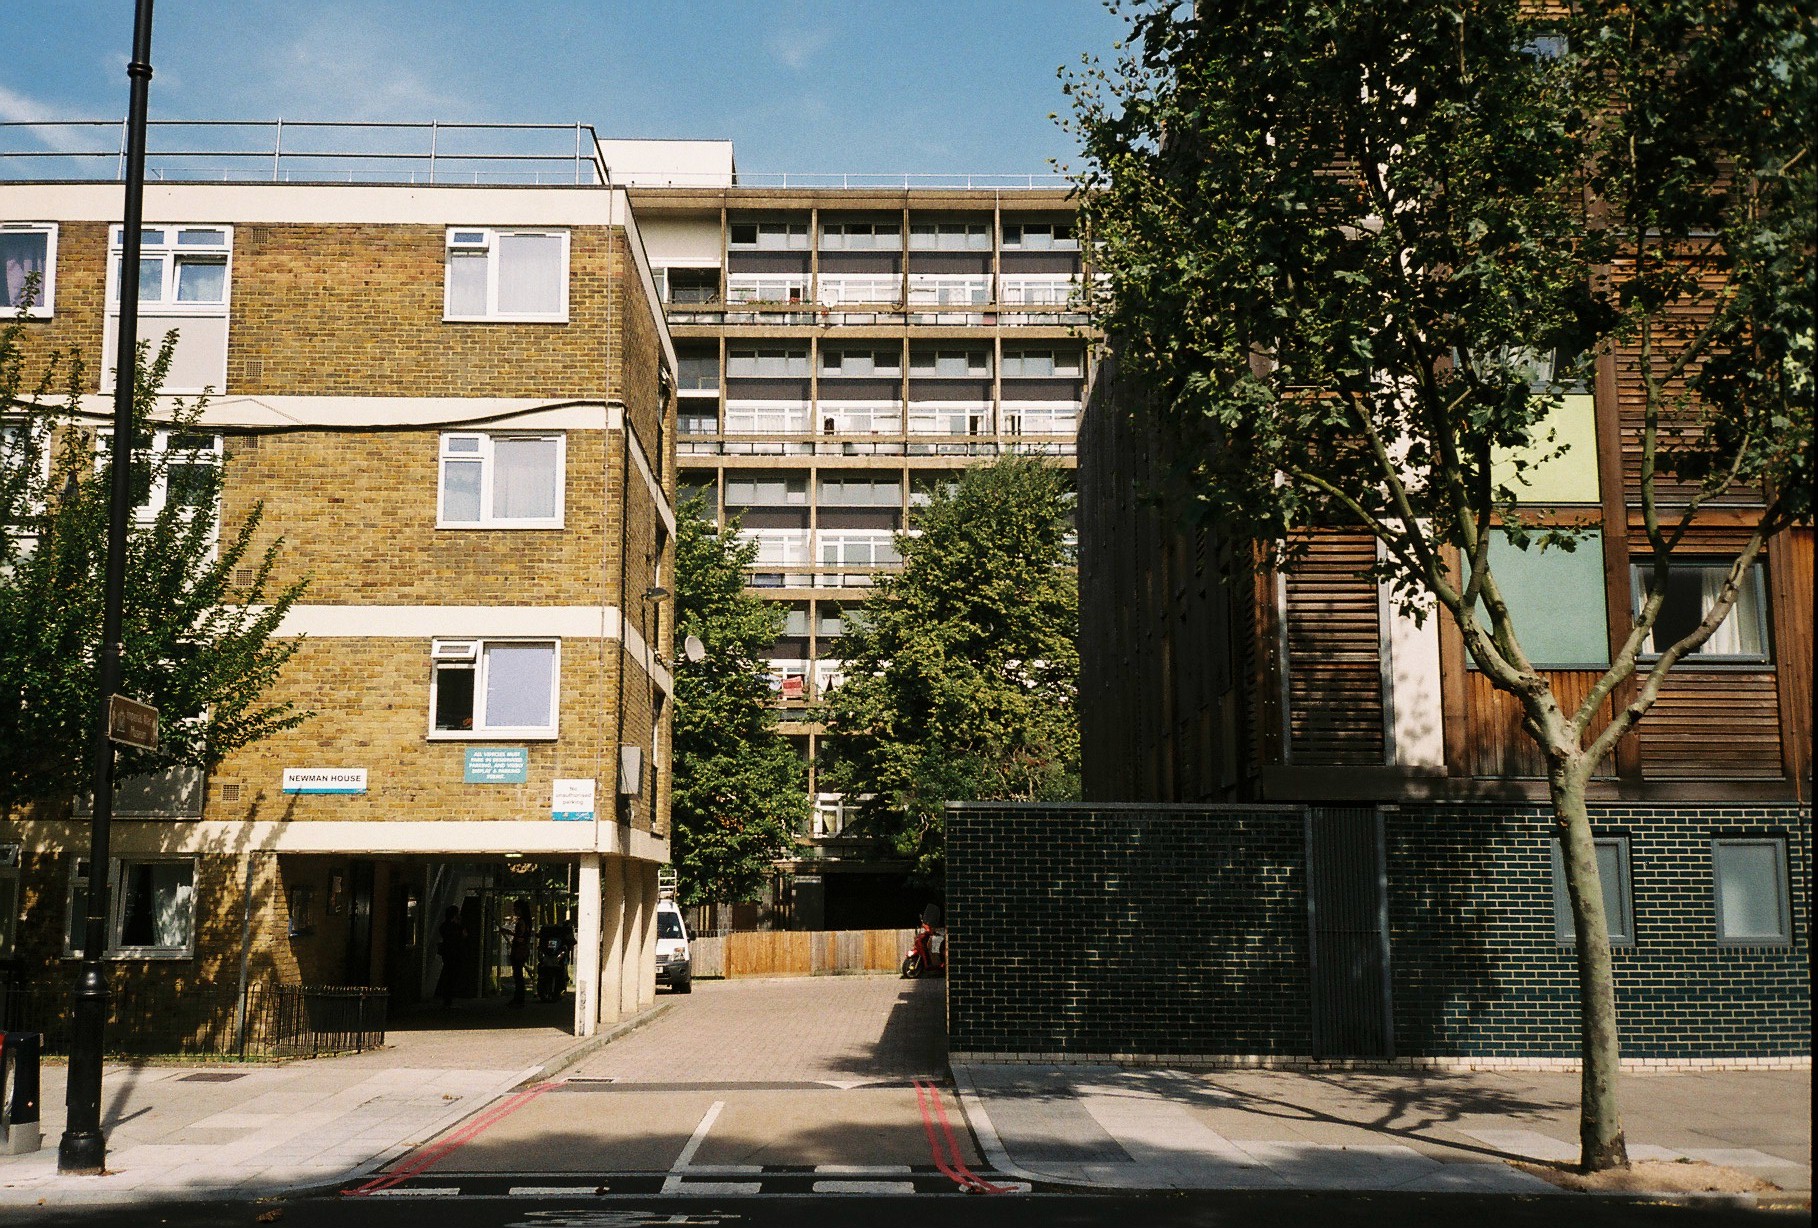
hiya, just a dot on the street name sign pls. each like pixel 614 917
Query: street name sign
pixel 132 723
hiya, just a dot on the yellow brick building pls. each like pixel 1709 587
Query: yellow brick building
pixel 456 405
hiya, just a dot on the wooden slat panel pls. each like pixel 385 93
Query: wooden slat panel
pixel 1334 654
pixel 1713 725
pixel 800 952
pixel 1790 569
pixel 1498 746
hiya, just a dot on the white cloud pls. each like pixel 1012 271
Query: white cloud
pixel 795 48
pixel 20 108
pixel 345 67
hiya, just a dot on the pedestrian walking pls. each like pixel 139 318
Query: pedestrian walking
pixel 518 929
pixel 451 945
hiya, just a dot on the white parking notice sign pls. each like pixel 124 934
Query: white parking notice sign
pixel 571 801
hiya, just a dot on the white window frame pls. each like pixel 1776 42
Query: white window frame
pixel 148 511
pixel 468 239
pixel 766 417
pixel 451 653
pixel 1024 231
pixel 116 910
pixel 1781 885
pixel 45 305
pixel 169 248
pixel 843 289
pixel 487 520
pixel 1039 289
pixel 742 288
pixel 1622 926
pixel 949 289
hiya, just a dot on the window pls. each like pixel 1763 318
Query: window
pixel 152 909
pixel 861 236
pixel 837 290
pixel 179 267
pixel 1039 236
pixel 1691 591
pixel 1618 895
pixel 861 492
pixel 1048 362
pixel 950 237
pixel 766 287
pixel 949 290
pixel 301 901
pixel 501 481
pixel 494 688
pixel 9 898
pixel 28 265
pixel 697 372
pixel 169 468
pixel 1556 599
pixel 1751 891
pixel 767 362
pixel 507 275
pixel 183 281
pixel 769 235
pixel 766 490
pixel 950 363
pixel 1039 290
pixel 689 286
pixel 861 362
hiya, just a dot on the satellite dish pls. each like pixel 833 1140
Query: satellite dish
pixel 694 650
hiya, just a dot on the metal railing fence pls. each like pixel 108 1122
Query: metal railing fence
pixel 271 1021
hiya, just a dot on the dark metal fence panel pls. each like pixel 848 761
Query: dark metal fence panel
pixel 1347 932
pixel 271 1021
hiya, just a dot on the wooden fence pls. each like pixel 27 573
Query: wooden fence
pixel 800 952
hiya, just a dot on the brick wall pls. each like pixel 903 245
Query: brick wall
pixel 1477 969
pixel 1183 931
pixel 1127 930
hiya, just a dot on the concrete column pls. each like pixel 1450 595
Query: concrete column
pixel 647 873
pixel 611 949
pixel 587 946
pixel 635 921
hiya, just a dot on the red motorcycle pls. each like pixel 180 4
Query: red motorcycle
pixel 929 954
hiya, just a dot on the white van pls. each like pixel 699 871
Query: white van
pixel 673 966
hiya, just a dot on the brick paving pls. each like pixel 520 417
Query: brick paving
pixel 804 1029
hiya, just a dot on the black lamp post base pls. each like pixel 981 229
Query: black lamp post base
pixel 82 1154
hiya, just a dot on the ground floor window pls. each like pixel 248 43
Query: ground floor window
pixel 151 912
pixel 1618 896
pixel 1751 891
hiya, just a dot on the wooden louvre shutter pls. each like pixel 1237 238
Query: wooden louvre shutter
pixel 1334 655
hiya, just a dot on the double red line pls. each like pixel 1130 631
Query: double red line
pixel 948 1160
pixel 441 1149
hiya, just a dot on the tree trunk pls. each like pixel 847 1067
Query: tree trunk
pixel 1600 1120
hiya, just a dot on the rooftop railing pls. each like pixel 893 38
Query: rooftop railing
pixel 291 151
pixel 313 151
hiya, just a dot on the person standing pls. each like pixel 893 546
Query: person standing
pixel 518 929
pixel 451 944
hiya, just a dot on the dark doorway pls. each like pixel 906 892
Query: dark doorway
pixel 1347 924
pixel 359 923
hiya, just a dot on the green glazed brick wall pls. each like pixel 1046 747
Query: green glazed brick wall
pixel 1477 970
pixel 1140 930
pixel 1160 930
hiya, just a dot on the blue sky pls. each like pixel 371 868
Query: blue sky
pixel 865 86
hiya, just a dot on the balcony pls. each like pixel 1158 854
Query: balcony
pixel 858 548
pixel 839 289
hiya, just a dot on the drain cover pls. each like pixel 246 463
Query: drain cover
pixel 213 1076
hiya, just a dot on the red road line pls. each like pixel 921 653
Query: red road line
pixel 934 1146
pixel 436 1152
pixel 959 1162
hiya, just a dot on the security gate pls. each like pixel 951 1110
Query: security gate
pixel 1348 932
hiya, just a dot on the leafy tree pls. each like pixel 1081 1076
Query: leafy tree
pixel 740 791
pixel 961 680
pixel 197 645
pixel 1339 234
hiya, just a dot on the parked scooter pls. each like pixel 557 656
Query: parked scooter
pixel 554 942
pixel 929 952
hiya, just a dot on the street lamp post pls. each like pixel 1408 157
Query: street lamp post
pixel 84 1147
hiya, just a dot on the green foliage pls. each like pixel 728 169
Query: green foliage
pixel 961 681
pixel 1337 235
pixel 196 645
pixel 740 791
